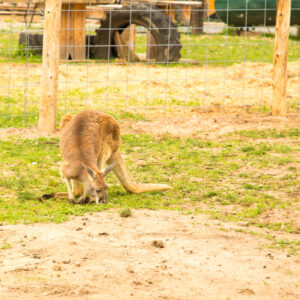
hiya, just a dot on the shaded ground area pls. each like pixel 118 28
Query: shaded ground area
pixel 104 256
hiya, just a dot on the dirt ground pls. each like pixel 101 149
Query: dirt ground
pixel 151 255
pixel 210 124
pixel 214 123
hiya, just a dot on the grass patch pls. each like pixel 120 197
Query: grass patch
pixel 207 177
pixel 5 245
pixel 201 172
pixel 125 213
pixel 215 49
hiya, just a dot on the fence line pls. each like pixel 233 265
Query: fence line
pixel 224 67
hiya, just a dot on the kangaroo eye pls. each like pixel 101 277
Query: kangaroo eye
pixel 98 191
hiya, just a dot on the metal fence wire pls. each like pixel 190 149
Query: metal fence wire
pixel 146 59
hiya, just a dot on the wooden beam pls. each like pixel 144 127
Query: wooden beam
pixel 298 32
pixel 124 50
pixel 50 65
pixel 72 35
pixel 95 2
pixel 129 36
pixel 197 20
pixel 279 107
pixel 151 47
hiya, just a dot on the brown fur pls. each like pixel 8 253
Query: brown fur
pixel 88 141
pixel 64 121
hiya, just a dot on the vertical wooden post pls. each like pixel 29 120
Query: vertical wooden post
pixel 151 47
pixel 298 31
pixel 129 36
pixel 72 35
pixel 47 118
pixel 283 18
pixel 198 15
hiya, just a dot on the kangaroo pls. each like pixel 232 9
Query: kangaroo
pixel 88 141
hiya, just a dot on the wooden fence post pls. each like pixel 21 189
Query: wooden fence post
pixel 279 107
pixel 49 81
pixel 72 34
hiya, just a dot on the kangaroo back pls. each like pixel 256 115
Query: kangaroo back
pixel 64 121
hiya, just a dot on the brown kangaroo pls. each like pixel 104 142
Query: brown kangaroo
pixel 88 141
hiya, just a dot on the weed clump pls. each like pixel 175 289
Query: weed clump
pixel 125 213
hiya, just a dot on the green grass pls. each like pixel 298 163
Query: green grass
pixel 215 49
pixel 125 213
pixel 30 168
pixel 227 48
pixel 207 177
pixel 5 245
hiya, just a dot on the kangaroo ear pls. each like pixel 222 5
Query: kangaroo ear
pixel 91 172
pixel 109 168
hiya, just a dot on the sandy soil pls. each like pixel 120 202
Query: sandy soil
pixel 104 256
pixel 214 124
pixel 209 124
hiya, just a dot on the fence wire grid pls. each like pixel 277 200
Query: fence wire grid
pixel 146 60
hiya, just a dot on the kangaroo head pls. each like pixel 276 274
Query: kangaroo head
pixel 96 185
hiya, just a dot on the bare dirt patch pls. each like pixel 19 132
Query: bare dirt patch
pixel 26 133
pixel 114 258
pixel 215 124
pixel 196 124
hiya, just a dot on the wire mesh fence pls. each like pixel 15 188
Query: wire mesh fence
pixel 146 59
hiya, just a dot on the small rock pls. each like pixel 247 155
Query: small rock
pixel 36 256
pixel 78 264
pixel 102 233
pixel 158 244
pixel 78 229
pixel 245 224
pixel 136 282
pixel 66 261
pixel 56 268
pixel 130 270
pixel 246 292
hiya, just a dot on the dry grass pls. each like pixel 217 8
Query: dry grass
pixel 151 91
